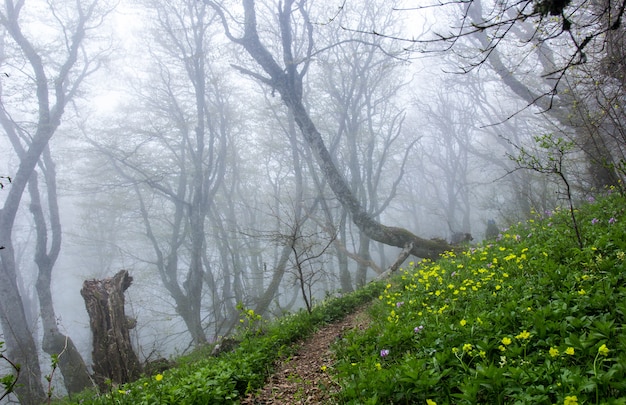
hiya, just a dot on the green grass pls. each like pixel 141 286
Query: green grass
pixel 202 379
pixel 529 319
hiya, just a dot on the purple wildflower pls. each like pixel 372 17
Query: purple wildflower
pixel 594 221
pixel 384 353
pixel 418 329
pixel 399 304
pixel 612 220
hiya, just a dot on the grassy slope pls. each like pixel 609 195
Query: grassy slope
pixel 529 319
pixel 202 379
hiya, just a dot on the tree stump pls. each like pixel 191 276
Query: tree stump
pixel 113 356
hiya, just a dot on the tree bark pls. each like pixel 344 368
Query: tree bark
pixel 75 375
pixel 287 81
pixel 113 355
pixel 600 160
pixel 396 264
pixel 19 340
pixel 61 87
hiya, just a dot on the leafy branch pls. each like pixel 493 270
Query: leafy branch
pixel 10 380
pixel 553 162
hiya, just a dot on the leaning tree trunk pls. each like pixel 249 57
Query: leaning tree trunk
pixel 113 355
pixel 287 81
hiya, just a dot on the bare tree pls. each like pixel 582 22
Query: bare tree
pixel 583 29
pixel 183 117
pixel 563 47
pixel 556 92
pixel 300 209
pixel 450 118
pixel 55 80
pixel 363 77
pixel 307 244
pixel 286 80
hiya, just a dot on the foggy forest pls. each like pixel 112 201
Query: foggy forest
pixel 210 156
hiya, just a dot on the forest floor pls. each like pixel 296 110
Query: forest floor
pixel 302 378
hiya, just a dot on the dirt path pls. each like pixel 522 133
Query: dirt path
pixel 301 379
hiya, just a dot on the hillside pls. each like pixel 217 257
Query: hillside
pixel 530 318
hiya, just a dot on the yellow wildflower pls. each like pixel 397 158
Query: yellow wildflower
pixel 506 341
pixel 603 350
pixel 158 377
pixel 554 352
pixel 523 335
pixel 569 351
pixel 571 400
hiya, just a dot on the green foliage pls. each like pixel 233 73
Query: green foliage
pixel 8 381
pixel 529 319
pixel 224 379
pixel 551 161
pixel 54 363
pixel 251 323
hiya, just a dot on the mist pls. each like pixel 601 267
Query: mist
pixel 157 137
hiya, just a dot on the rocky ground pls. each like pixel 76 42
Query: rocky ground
pixel 302 379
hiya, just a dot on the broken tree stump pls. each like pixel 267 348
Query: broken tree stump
pixel 113 356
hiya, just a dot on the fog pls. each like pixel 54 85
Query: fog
pixel 227 169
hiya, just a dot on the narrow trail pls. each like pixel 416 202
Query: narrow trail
pixel 301 379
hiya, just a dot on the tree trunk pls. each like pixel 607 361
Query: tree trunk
pixel 59 83
pixel 75 375
pixel 287 81
pixel 113 355
pixel 362 266
pixel 19 340
pixel 277 276
pixel 599 157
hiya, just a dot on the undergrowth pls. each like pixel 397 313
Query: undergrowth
pixel 531 318
pixel 204 379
